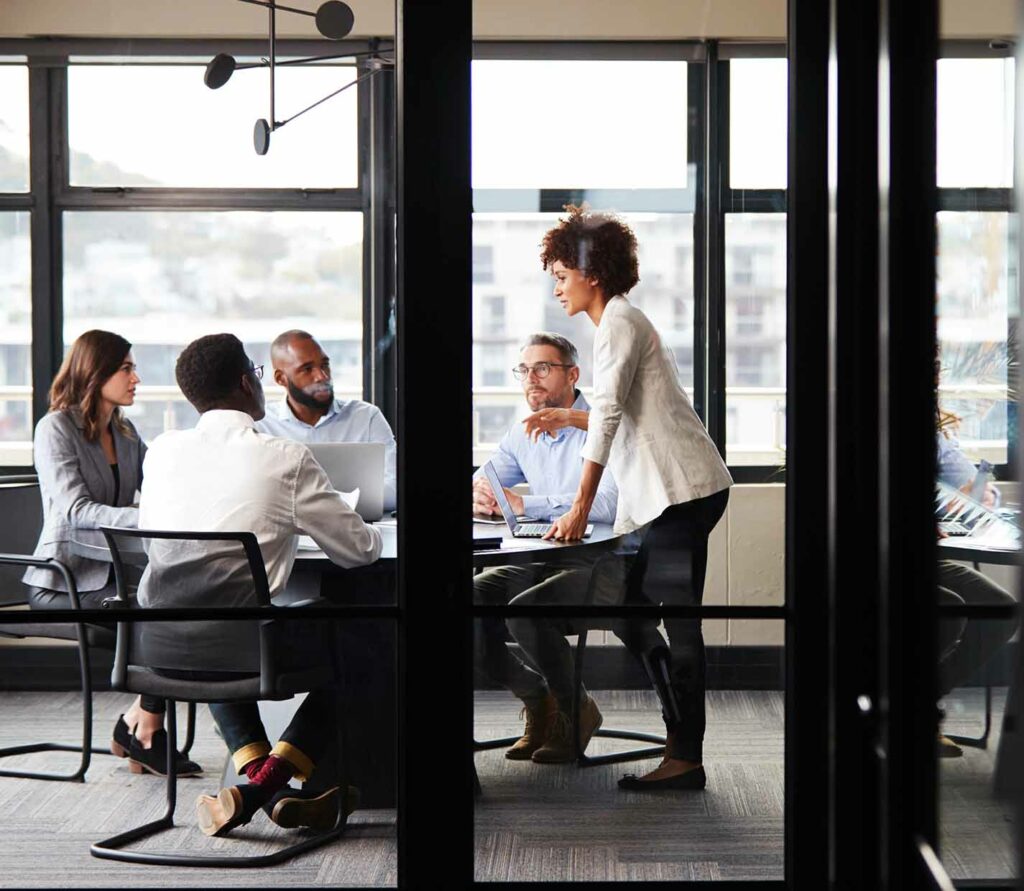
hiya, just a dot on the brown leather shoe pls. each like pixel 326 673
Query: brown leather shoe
pixel 537 713
pixel 296 809
pixel 558 745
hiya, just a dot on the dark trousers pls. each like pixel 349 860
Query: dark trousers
pixel 669 569
pixel 305 740
pixel 967 644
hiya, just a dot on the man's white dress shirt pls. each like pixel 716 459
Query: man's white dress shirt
pixel 349 420
pixel 225 476
pixel 642 425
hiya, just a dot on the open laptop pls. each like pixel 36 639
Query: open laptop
pixel 518 530
pixel 355 465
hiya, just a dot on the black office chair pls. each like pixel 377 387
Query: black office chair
pixel 20 522
pixel 582 759
pixel 86 635
pixel 246 650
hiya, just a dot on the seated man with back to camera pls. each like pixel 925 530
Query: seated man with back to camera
pixel 309 412
pixel 223 475
pixel 551 466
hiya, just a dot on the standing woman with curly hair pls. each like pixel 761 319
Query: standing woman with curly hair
pixel 673 483
pixel 89 459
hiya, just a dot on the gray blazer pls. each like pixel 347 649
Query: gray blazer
pixel 77 488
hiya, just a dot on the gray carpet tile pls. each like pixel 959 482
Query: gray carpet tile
pixel 533 822
pixel 48 827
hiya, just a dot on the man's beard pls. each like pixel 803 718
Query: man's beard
pixel 549 400
pixel 302 397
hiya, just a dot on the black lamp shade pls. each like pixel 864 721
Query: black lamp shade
pixel 334 19
pixel 261 136
pixel 219 71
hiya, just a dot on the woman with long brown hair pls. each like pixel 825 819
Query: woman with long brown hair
pixel 88 456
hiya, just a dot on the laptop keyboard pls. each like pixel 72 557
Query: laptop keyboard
pixel 532 530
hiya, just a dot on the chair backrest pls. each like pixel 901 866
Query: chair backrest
pixel 21 519
pixel 190 570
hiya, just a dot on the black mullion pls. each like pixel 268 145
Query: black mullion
pixel 434 215
pixel 365 141
pixel 15 201
pixel 45 135
pixel 51 50
pixel 754 200
pixel 976 200
pixel 382 269
pixel 697 134
pixel 807 836
pixel 717 159
pixel 116 198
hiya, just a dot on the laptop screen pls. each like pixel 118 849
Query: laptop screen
pixel 499 495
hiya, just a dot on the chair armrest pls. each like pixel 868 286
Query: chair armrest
pixel 46 563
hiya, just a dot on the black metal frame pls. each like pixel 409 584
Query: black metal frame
pixel 86 749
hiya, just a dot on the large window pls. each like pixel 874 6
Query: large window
pixel 163 278
pixel 166 225
pixel 15 271
pixel 528 163
pixel 977 255
pixel 755 263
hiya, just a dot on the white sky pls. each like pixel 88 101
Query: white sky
pixel 536 124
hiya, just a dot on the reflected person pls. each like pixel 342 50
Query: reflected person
pixel 548 372
pixel 89 458
pixel 966 644
pixel 310 413
pixel 673 483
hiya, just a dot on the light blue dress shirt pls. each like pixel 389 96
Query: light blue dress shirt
pixel 955 468
pixel 346 421
pixel 552 466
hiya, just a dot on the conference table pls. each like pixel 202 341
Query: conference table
pixel 368 646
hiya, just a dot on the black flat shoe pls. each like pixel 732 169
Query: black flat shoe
pixel 154 759
pixel 693 779
pixel 297 808
pixel 121 741
pixel 231 807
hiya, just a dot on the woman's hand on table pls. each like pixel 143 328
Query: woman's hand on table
pixel 547 420
pixel 569 527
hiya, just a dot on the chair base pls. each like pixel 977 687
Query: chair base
pixel 584 760
pixel 110 848
pixel 77 777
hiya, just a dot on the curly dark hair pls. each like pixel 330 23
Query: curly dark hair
pixel 209 369
pixel 599 244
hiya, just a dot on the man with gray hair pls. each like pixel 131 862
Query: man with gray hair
pixel 551 465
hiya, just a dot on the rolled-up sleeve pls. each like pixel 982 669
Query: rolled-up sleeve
pixel 321 513
pixel 616 356
pixel 60 473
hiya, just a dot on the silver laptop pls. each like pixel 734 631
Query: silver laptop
pixel 355 465
pixel 518 530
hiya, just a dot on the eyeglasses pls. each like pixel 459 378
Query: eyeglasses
pixel 258 371
pixel 541 369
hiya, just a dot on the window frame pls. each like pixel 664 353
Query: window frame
pixel 51 194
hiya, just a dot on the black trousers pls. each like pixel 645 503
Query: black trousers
pixel 669 569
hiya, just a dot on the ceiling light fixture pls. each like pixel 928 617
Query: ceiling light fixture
pixel 334 20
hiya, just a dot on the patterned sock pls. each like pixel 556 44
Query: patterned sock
pixel 272 775
pixel 253 767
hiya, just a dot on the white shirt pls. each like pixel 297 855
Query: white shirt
pixel 345 421
pixel 642 425
pixel 225 476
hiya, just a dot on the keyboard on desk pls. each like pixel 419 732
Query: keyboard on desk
pixel 531 530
